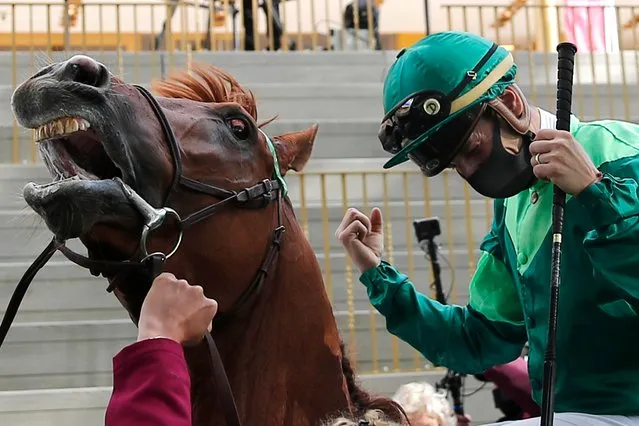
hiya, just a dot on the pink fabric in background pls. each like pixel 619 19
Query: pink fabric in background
pixel 513 380
pixel 590 25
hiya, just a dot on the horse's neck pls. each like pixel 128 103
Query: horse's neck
pixel 284 360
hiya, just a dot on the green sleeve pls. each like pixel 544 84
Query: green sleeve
pixel 611 215
pixel 469 339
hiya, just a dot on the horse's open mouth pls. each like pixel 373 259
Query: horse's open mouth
pixel 83 192
pixel 71 148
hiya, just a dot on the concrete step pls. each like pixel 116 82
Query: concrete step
pixel 291 101
pixel 79 353
pixel 246 67
pixel 337 138
pixel 326 188
pixel 63 291
pixel 332 171
pixel 61 354
pixel 45 407
pixel 316 67
pixel 86 405
pixel 23 235
pixel 353 101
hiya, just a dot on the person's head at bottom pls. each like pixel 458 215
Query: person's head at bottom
pixel 450 101
pixel 370 418
pixel 422 403
pixel 425 406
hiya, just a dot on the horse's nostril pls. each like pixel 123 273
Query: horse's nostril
pixel 85 70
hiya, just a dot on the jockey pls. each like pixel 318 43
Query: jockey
pixel 451 101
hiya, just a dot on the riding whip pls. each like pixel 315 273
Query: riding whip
pixel 565 67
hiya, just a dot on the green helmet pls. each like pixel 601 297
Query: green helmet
pixel 434 93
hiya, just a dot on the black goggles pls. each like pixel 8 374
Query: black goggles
pixel 414 118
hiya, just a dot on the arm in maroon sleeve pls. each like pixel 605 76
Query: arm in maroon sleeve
pixel 151 386
pixel 513 380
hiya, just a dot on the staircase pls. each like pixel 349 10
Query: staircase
pixel 55 367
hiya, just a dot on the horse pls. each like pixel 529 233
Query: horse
pixel 190 177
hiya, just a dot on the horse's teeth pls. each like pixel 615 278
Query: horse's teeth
pixel 72 126
pixel 61 127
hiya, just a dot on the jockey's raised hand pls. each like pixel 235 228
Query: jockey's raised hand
pixel 362 237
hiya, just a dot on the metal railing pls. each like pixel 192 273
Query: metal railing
pixel 321 199
pixel 142 25
pixel 537 27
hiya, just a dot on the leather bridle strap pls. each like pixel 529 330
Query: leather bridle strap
pixel 225 393
pixel 222 318
pixel 23 286
pixel 170 138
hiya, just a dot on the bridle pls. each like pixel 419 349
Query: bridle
pixel 150 265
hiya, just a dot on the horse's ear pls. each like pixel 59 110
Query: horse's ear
pixel 294 149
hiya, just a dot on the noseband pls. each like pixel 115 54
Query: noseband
pixel 150 265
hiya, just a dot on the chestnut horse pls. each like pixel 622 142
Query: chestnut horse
pixel 197 147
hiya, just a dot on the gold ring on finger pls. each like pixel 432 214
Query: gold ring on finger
pixel 537 159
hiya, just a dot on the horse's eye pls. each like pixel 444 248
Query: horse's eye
pixel 239 128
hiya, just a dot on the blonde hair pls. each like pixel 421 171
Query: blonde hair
pixel 420 399
pixel 373 417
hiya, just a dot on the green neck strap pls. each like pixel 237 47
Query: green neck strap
pixel 276 164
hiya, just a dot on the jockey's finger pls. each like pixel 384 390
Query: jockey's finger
pixel 377 221
pixel 357 215
pixel 346 220
pixel 356 230
pixel 165 276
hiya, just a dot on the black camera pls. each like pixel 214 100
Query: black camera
pixel 427 229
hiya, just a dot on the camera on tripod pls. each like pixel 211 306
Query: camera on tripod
pixel 427 229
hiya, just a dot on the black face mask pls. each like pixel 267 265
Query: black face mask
pixel 503 175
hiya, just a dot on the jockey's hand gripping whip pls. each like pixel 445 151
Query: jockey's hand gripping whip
pixel 565 67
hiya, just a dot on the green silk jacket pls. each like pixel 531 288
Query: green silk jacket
pixel 598 325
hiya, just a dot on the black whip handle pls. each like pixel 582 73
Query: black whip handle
pixel 565 69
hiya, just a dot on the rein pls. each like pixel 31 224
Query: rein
pixel 150 265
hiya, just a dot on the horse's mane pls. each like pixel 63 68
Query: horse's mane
pixel 210 84
pixel 363 401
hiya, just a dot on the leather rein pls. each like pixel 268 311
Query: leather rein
pixel 150 265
